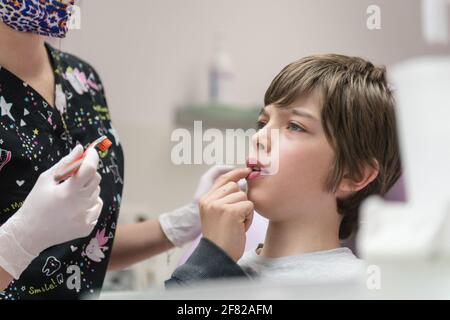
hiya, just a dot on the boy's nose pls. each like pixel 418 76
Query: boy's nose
pixel 261 141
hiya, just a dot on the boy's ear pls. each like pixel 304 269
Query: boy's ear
pixel 349 184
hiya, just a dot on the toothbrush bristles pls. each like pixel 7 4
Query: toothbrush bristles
pixel 104 145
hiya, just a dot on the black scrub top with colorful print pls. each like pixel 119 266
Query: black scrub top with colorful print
pixel 33 137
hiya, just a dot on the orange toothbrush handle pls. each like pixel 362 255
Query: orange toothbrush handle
pixel 69 170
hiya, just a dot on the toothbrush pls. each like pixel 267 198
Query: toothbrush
pixel 103 143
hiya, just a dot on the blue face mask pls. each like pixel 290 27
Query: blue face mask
pixel 44 17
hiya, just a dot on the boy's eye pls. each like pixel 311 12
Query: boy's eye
pixel 295 127
pixel 260 124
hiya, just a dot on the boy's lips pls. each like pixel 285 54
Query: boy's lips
pixel 257 168
pixel 252 175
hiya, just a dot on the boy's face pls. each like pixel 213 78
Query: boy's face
pixel 297 189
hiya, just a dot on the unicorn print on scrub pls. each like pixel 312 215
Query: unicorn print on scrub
pixel 94 250
pixel 60 100
pixel 79 81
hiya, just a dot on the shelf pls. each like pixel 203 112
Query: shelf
pixel 217 116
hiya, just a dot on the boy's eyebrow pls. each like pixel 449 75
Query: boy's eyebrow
pixel 302 113
pixel 294 111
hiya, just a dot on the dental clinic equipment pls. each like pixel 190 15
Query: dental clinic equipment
pixel 103 143
pixel 411 241
pixel 435 21
pixel 418 227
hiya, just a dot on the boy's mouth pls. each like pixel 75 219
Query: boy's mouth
pixel 257 168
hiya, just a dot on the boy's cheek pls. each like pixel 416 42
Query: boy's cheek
pixel 301 167
pixel 293 161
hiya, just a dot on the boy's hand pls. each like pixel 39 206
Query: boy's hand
pixel 183 224
pixel 226 213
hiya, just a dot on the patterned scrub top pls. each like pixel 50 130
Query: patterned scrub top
pixel 33 137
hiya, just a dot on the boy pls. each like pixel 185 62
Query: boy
pixel 337 145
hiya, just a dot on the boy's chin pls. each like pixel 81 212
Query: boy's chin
pixel 262 201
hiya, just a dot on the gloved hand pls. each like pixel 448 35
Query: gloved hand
pixel 52 213
pixel 183 224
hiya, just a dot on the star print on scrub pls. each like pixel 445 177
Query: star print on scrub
pixel 34 135
pixel 6 108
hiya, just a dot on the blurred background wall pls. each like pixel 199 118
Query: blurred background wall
pixel 153 57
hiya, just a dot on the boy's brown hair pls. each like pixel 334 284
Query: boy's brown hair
pixel 357 113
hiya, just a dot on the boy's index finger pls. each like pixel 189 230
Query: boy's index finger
pixel 234 175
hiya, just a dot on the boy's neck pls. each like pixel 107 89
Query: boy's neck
pixel 290 238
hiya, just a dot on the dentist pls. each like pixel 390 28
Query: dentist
pixel 57 241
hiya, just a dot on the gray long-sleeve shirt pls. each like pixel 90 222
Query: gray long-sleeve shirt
pixel 209 261
pixel 321 267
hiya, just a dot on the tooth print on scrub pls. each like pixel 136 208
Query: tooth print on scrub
pixel 33 137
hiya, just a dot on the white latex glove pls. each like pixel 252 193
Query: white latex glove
pixel 52 213
pixel 183 224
